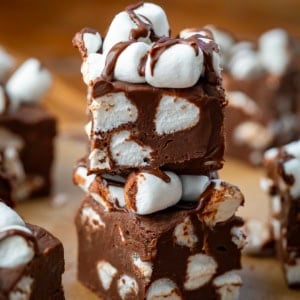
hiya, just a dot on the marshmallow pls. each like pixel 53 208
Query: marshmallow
pixel 292 272
pixel 228 285
pixel 90 217
pixel 92 67
pixel 292 167
pixel 274 51
pixel 3 103
pixel 193 186
pixel 243 102
pixel 200 269
pixel 111 111
pixel 127 286
pixel 106 273
pixel 6 62
pixel 224 39
pixel 293 149
pixel 28 83
pixel 22 289
pixel 184 234
pixel 238 237
pixel 126 151
pixel 146 193
pixel 245 64
pixel 99 159
pixel 128 63
pixel 177 67
pixel 9 217
pixel 145 268
pixel 175 114
pixel 92 42
pixel 163 288
pixel 223 203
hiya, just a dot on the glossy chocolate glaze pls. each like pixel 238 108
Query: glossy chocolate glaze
pixel 45 269
pixel 151 238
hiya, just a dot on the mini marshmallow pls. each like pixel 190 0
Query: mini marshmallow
pixel 293 149
pixel 126 151
pixel 92 42
pixel 200 269
pixel 144 267
pixel 292 272
pixel 163 288
pixel 22 289
pixel 175 114
pixel 184 234
pixel 128 62
pixel 9 217
pixel 177 67
pixel 111 111
pixel 14 249
pixel 90 217
pixel 228 285
pixel 92 67
pixel 116 195
pixel 259 234
pixel 106 273
pixel 3 104
pixel 224 201
pixel 146 193
pixel 193 186
pixel 224 39
pixel 238 237
pixel 245 64
pixel 274 51
pixel 127 286
pixel 6 62
pixel 28 83
pixel 243 102
pixel 292 167
pixel 99 159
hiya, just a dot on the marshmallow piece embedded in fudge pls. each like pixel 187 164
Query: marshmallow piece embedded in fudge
pixel 92 67
pixel 224 200
pixel 146 193
pixel 6 62
pixel 28 83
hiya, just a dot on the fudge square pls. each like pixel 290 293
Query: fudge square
pixel 262 84
pixel 31 260
pixel 170 255
pixel 148 106
pixel 27 131
pixel 282 183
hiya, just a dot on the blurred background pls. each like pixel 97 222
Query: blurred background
pixel 44 29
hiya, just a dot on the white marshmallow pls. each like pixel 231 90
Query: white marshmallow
pixel 157 17
pixel 276 206
pixel 245 64
pixel 14 249
pixel 6 62
pixel 90 217
pixel 22 290
pixel 163 289
pixel 240 100
pixel 184 234
pixel 125 151
pixel 258 235
pixel 28 83
pixel 13 164
pixel 116 195
pixel 92 67
pixel 92 42
pixel 99 159
pixel 276 226
pixel 271 153
pixel 216 62
pixel 175 114
pixel 144 267
pixel 106 273
pixel 222 38
pixel 292 272
pixel 128 62
pixel 274 51
pixel 293 149
pixel 177 67
pixel 200 270
pixel 112 110
pixel 127 286
pixel 238 237
pixel 83 180
pixel 224 201
pixel 2 100
pixel 88 129
pixel 119 31
pixel 228 285
pixel 253 134
pixel 292 167
pixel 193 186
pixel 9 217
pixel 152 193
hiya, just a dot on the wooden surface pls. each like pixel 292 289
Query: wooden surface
pixel 262 278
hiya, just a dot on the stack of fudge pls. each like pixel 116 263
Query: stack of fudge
pixel 27 130
pixel 31 260
pixel 262 82
pixel 282 183
pixel 156 221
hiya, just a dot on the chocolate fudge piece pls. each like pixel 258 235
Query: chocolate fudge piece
pixel 172 254
pixel 27 131
pixel 149 108
pixel 282 184
pixel 262 84
pixel 31 260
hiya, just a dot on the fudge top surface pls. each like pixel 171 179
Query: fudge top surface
pixel 138 49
